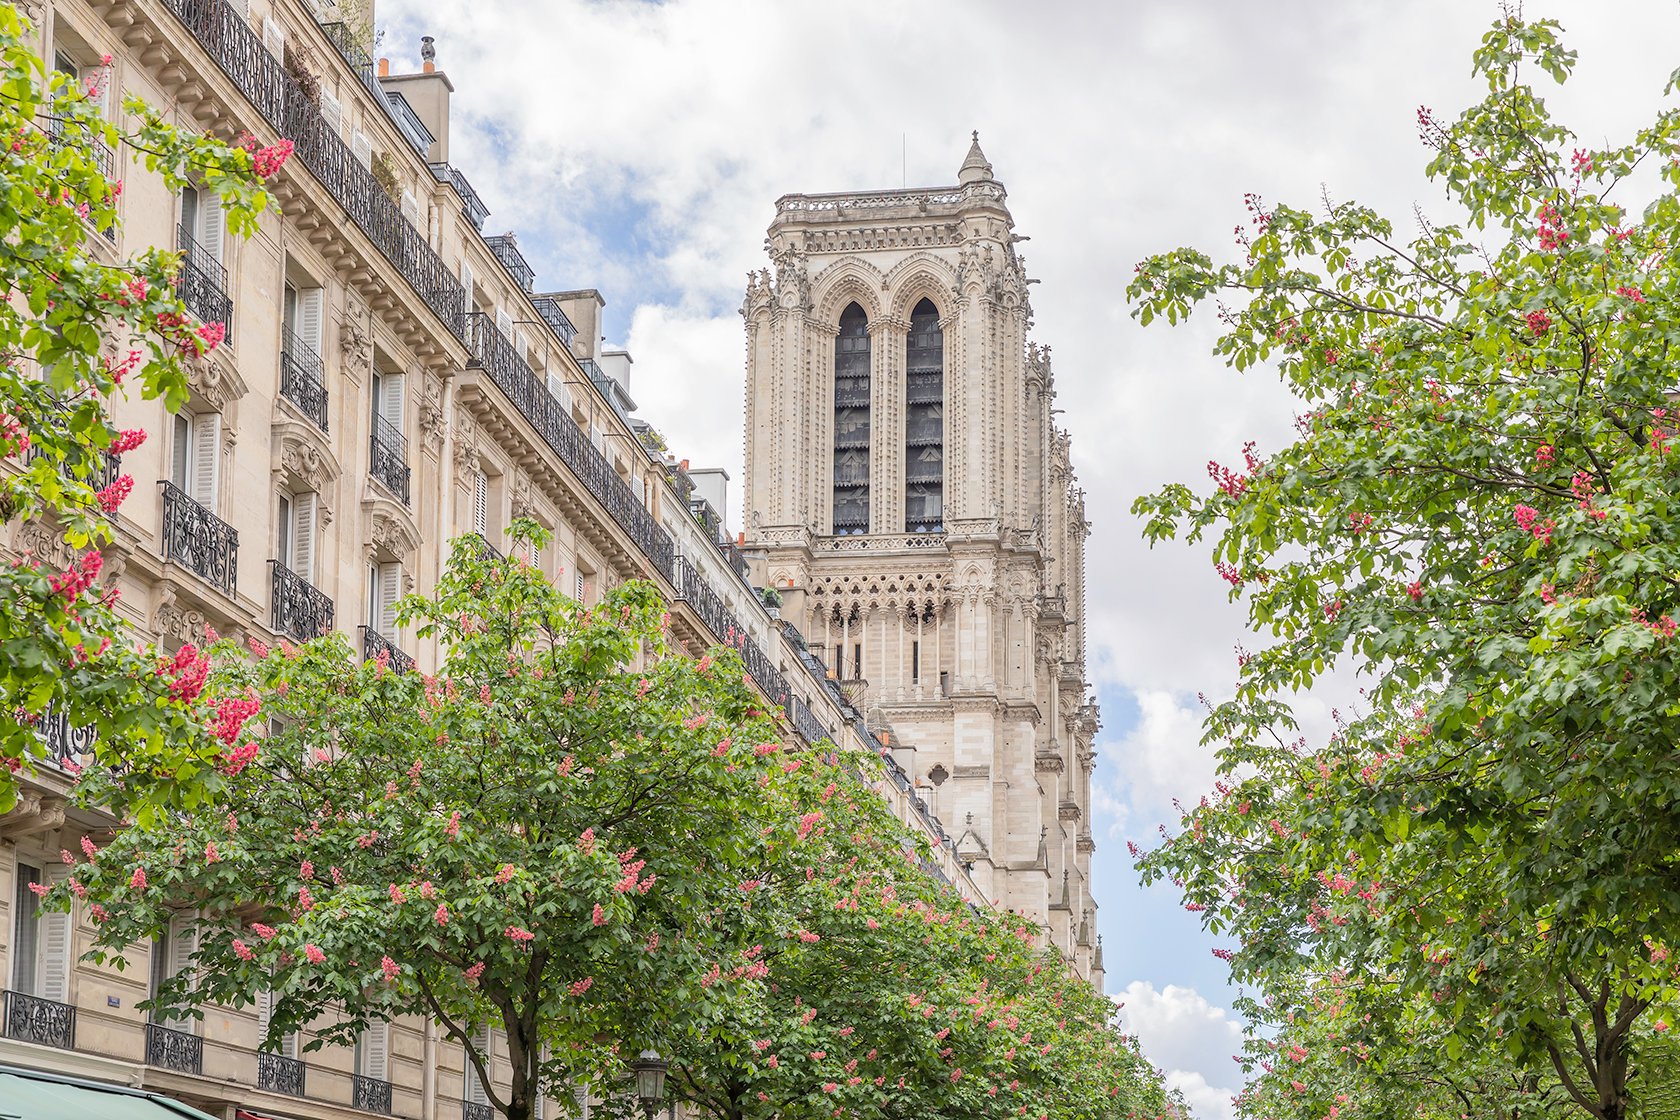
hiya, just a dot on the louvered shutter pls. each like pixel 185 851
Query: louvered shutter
pixel 179 944
pixel 387 592
pixel 475 1093
pixel 504 323
pixel 210 224
pixel 481 503
pixel 274 38
pixel 332 113
pixel 311 305
pixel 375 1051
pixel 304 508
pixel 391 390
pixel 205 471
pixel 362 148
pixel 55 934
pixel 467 285
pixel 411 208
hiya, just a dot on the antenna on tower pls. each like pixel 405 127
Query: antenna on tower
pixel 904 159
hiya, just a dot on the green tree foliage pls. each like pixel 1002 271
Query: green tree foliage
pixel 1477 513
pixel 78 327
pixel 597 845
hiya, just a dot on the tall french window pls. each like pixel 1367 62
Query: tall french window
pixel 851 423
pixel 924 423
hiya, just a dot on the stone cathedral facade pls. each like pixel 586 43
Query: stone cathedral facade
pixel 911 498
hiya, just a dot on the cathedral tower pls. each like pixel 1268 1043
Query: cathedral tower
pixel 914 504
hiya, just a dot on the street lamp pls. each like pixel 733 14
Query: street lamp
pixel 649 1069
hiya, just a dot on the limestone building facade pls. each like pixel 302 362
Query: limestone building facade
pixel 909 494
pixel 392 378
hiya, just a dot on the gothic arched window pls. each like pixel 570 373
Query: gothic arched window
pixel 924 423
pixel 851 423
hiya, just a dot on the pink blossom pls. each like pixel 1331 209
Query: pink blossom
pixel 453 828
pixel 397 895
pixel 578 987
pixel 137 881
pixel 241 950
pixel 389 968
pixel 313 955
pixel 441 915
pixel 586 841
pixel 89 849
pixel 504 873
pixel 474 972
pixel 210 855
pixel 599 917
pixel 262 931
pixel 521 935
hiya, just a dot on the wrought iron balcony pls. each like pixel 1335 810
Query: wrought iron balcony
pixel 197 538
pixel 374 643
pixel 105 468
pixel 693 589
pixel 496 356
pixel 279 1074
pixel 472 1110
pixel 41 1021
pixel 555 316
pixel 303 378
pixel 172 1049
pixel 487 552
pixel 226 36
pixel 707 517
pixel 344 41
pixel 300 609
pixel 471 205
pixel 64 741
pixel 201 282
pixel 506 248
pixel 389 457
pixel 370 1094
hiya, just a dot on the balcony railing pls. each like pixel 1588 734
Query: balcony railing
pixel 472 1110
pixel 106 468
pixel 496 356
pixel 370 1094
pixel 279 1074
pixel 41 1021
pixel 227 37
pixel 389 457
pixel 202 282
pixel 197 538
pixel 303 378
pixel 693 588
pixel 300 609
pixel 64 741
pixel 471 205
pixel 555 316
pixel 506 248
pixel 487 552
pixel 172 1049
pixel 374 643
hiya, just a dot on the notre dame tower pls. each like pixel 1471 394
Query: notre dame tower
pixel 912 499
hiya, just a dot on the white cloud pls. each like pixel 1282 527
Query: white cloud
pixel 1190 1039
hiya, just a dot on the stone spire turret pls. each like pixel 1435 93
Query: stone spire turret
pixel 975 169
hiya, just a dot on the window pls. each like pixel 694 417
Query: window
pixel 388 400
pixel 265 1012
pixel 40 942
pixel 195 456
pixel 384 589
pixel 851 423
pixel 474 1092
pixel 373 1051
pixel 857 661
pixel 295 534
pixel 481 503
pixel 301 316
pixel 916 661
pixel 171 956
pixel 202 228
pixel 924 422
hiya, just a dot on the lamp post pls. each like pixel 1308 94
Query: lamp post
pixel 649 1069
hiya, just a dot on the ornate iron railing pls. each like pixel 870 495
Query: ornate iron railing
pixel 279 1074
pixel 65 742
pixel 41 1021
pixel 370 1094
pixel 172 1049
pixel 105 468
pixel 555 316
pixel 343 39
pixel 487 552
pixel 496 356
pixel 300 609
pixel 707 517
pixel 374 643
pixel 201 282
pixel 197 538
pixel 805 722
pixel 472 1110
pixel 471 205
pixel 693 589
pixel 226 36
pixel 388 459
pixel 506 248
pixel 303 378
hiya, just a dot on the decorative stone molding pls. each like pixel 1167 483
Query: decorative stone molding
pixel 392 536
pixel 214 381
pixel 793 281
pixel 466 443
pixel 522 497
pixel 355 339
pixel 183 622
pixel 1048 762
pixel 431 412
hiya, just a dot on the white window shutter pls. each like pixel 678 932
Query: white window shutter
pixel 504 323
pixel 311 311
pixel 274 38
pixel 387 592
pixel 481 502
pixel 376 1051
pixel 411 208
pixel 182 940
pixel 333 113
pixel 55 934
pixel 475 1093
pixel 362 147
pixel 391 390
pixel 467 285
pixel 210 224
pixel 205 473
pixel 304 508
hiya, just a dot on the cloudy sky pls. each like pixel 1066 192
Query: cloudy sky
pixel 638 148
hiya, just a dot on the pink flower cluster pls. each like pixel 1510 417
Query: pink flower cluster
pixel 1551 233
pixel 1528 520
pixel 78 577
pixel 115 494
